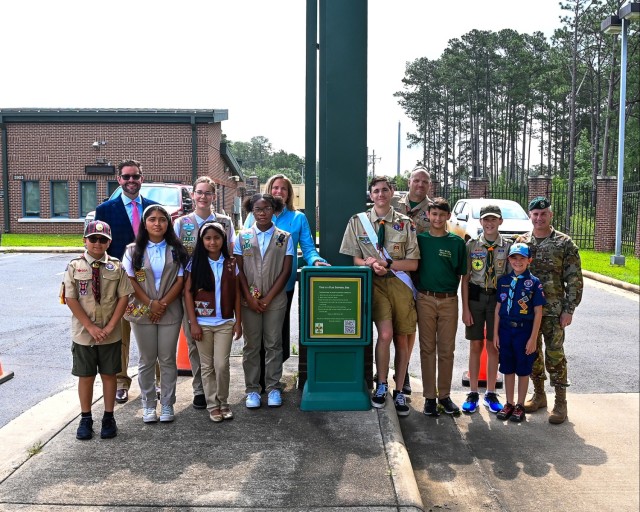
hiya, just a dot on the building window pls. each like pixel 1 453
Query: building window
pixel 111 187
pixel 31 198
pixel 59 199
pixel 88 197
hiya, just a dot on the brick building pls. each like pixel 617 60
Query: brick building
pixel 58 164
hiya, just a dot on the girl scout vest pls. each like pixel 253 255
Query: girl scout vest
pixel 262 272
pixel 137 312
pixel 188 229
pixel 205 301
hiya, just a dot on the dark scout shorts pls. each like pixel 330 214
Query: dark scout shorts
pixel 90 360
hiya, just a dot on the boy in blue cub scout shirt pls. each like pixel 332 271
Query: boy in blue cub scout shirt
pixel 517 321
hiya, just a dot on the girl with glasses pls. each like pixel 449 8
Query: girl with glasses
pixel 265 258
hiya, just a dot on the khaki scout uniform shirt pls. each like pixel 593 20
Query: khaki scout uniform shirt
pixel 419 215
pixel 114 284
pixel 556 262
pixel 399 233
pixel 477 250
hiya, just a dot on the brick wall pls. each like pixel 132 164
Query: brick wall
pixel 47 152
pixel 605 234
pixel 478 188
pixel 539 186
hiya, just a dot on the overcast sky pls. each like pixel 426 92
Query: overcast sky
pixel 246 56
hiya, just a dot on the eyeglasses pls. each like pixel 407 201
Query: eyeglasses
pixel 202 193
pixel 134 177
pixel 98 239
pixel 266 209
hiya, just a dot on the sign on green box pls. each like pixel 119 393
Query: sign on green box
pixel 335 307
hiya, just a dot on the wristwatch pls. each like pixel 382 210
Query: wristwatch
pixel 389 262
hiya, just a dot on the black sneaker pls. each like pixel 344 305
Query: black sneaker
pixel 518 415
pixel 449 406
pixel 399 400
pixel 109 428
pixel 431 407
pixel 85 429
pixel 199 402
pixel 380 395
pixel 406 386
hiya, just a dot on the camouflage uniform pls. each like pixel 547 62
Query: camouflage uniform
pixel 556 262
pixel 419 215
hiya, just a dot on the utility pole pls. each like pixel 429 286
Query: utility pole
pixel 372 162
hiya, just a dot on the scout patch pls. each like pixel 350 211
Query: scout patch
pixel 255 292
pixel 478 254
pixel 477 264
pixel 398 226
pixel 141 275
pixel 203 309
pixel 110 266
pixel 83 287
pixel 364 239
pixel 188 228
pixel 396 247
pixel 528 283
pixel 503 297
pixel 280 240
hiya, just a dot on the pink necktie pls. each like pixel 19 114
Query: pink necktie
pixel 135 217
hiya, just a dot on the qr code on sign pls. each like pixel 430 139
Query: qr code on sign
pixel 349 326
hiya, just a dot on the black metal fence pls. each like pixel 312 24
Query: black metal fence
pixel 630 199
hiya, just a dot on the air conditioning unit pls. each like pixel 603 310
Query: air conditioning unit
pixel 101 161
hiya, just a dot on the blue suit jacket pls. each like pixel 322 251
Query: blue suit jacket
pixel 114 213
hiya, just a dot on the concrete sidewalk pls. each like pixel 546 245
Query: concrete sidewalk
pixel 279 458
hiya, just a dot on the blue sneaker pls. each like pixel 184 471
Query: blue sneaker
pixel 470 405
pixel 253 400
pixel 275 398
pixel 85 429
pixel 492 402
pixel 380 396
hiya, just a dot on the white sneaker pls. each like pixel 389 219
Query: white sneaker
pixel 166 413
pixel 149 415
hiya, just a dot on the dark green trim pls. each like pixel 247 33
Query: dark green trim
pixel 177 116
pixel 5 174
pixel 194 150
pixel 311 117
pixel 230 160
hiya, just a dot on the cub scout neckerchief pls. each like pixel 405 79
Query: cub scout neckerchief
pixel 403 276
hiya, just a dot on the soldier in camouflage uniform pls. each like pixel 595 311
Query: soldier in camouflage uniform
pixel 556 262
pixel 415 205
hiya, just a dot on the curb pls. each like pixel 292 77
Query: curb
pixel 69 250
pixel 634 288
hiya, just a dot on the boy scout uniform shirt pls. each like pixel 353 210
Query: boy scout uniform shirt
pixel 399 233
pixel 419 214
pixel 527 294
pixel 556 262
pixel 114 284
pixel 477 251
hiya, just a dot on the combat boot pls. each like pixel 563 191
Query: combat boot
pixel 539 398
pixel 559 413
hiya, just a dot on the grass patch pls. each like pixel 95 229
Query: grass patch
pixel 599 262
pixel 17 240
pixel 35 449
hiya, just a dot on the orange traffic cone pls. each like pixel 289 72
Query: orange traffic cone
pixel 184 365
pixel 482 374
pixel 4 376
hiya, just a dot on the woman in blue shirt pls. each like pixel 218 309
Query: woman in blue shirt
pixel 294 222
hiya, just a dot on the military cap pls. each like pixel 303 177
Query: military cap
pixel 539 203
pixel 489 210
pixel 97 227
pixel 519 248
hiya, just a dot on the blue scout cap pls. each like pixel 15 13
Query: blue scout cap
pixel 519 248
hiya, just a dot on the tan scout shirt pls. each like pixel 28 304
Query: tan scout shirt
pixel 477 250
pixel 114 284
pixel 399 233
pixel 419 215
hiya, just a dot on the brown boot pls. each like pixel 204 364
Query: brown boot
pixel 539 398
pixel 559 413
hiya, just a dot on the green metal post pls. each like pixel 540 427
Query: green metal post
pixel 311 116
pixel 343 120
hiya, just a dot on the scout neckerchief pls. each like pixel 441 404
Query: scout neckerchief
pixel 368 227
pixel 512 289
pixel 95 280
pixel 490 273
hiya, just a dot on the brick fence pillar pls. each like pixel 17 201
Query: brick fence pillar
pixel 637 251
pixel 605 235
pixel 478 187
pixel 435 190
pixel 539 186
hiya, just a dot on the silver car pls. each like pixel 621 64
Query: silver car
pixel 465 218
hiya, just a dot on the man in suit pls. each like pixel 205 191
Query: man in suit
pixel 123 214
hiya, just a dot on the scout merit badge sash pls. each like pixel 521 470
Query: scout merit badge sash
pixel 403 276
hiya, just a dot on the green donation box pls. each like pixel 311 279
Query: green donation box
pixel 335 326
